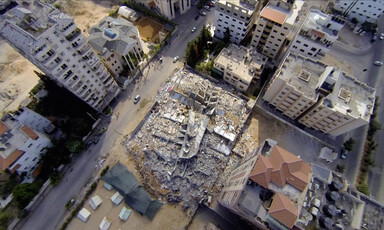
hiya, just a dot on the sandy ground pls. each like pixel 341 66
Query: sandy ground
pixel 148 28
pixel 16 78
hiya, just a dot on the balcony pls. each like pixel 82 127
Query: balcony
pixel 76 32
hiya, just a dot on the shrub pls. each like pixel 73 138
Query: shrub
pixel 104 171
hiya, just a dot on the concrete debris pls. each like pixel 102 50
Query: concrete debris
pixel 185 144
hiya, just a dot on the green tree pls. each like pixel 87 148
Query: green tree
pixel 5 218
pixel 348 145
pixel 191 53
pixel 374 126
pixel 24 193
pixel 55 178
pixel 74 146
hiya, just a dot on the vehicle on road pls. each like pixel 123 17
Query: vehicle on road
pixel 203 13
pixel 197 17
pixel 175 59
pixel 137 99
pixel 374 38
pixel 207 7
pixel 161 59
pixel 211 4
pixel 381 37
pixel 378 63
pixel 193 29
pixel 344 153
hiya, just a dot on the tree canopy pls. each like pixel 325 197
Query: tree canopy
pixel 24 193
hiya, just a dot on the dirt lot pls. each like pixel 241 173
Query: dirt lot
pixel 16 77
pixel 148 28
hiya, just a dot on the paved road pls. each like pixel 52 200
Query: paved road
pixel 361 60
pixel 50 212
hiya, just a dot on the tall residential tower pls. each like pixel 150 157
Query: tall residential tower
pixel 51 41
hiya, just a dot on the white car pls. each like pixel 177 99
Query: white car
pixel 381 37
pixel 378 63
pixel 137 99
pixel 203 13
pixel 175 59
pixel 193 29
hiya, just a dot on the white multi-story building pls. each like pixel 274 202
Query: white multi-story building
pixel 52 42
pixel 318 32
pixel 238 16
pixel 320 96
pixel 275 26
pixel 33 120
pixel 167 8
pixel 20 146
pixel 362 10
pixel 239 66
pixel 117 42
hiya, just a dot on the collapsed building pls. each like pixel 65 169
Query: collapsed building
pixel 183 146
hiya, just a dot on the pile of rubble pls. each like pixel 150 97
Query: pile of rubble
pixel 183 146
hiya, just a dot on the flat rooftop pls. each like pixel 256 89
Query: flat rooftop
pixel 281 16
pixel 295 68
pixel 241 61
pixel 249 5
pixel 352 96
pixel 31 16
pixel 318 20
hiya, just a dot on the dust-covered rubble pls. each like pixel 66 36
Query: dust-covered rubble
pixel 184 146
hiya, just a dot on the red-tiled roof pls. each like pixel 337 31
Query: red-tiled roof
pixel 281 167
pixel 37 170
pixel 288 168
pixel 29 132
pixel 283 210
pixel 16 167
pixel 3 128
pixel 273 15
pixel 5 163
pixel 261 172
pixel 317 33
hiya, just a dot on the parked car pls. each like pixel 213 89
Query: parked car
pixel 197 17
pixel 344 153
pixel 203 13
pixel 207 7
pixel 137 99
pixel 161 59
pixel 193 29
pixel 378 63
pixel 175 59
pixel 374 38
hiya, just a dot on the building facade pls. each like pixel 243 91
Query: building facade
pixel 118 44
pixel 275 27
pixel 20 146
pixel 239 66
pixel 362 10
pixel 236 16
pixel 318 32
pixel 167 8
pixel 51 41
pixel 254 190
pixel 319 96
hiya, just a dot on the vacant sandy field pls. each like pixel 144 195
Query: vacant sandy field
pixel 148 28
pixel 16 78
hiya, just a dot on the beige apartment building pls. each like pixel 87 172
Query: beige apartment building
pixel 236 15
pixel 275 27
pixel 347 106
pixel 319 96
pixel 239 66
